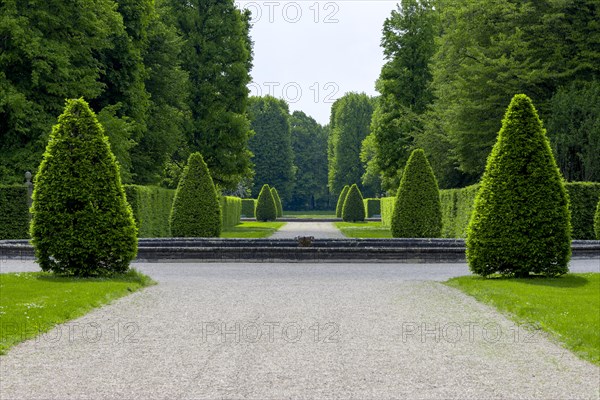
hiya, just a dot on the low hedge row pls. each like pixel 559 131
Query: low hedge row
pixel 14 212
pixel 386 205
pixel 248 207
pixel 372 207
pixel 584 197
pixel 231 211
pixel 151 206
pixel 457 205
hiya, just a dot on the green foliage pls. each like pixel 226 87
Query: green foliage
pixel 372 207
pixel 597 221
pixel 520 223
pixel 271 145
pixel 196 210
pixel 340 203
pixel 583 197
pixel 354 208
pixel 404 83
pixel 266 209
pixel 81 222
pixel 252 230
pixel 231 208
pixel 151 208
pixel 350 121
pixel 574 130
pixel 417 212
pixel 217 55
pixel 457 206
pixel 248 207
pixel 277 202
pixel 309 145
pixel 387 210
pixel 14 212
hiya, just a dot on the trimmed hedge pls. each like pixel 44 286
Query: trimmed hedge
pixel 387 210
pixel 14 212
pixel 583 197
pixel 457 205
pixel 196 208
pixel 266 209
pixel 81 223
pixel 151 206
pixel 248 207
pixel 597 221
pixel 340 203
pixel 231 210
pixel 354 208
pixel 277 202
pixel 372 207
pixel 520 222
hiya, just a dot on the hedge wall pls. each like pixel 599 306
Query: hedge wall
pixel 387 210
pixel 231 211
pixel 372 207
pixel 248 207
pixel 151 207
pixel 583 197
pixel 457 205
pixel 14 212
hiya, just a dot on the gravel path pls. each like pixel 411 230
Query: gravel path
pixel 320 230
pixel 274 331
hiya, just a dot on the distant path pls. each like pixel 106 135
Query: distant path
pixel 320 230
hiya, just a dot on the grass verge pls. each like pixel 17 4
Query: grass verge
pixel 252 230
pixel 32 303
pixel 310 214
pixel 362 230
pixel 567 307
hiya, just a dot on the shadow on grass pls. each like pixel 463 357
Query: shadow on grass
pixel 132 276
pixel 565 281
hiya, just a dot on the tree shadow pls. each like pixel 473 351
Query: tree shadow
pixel 564 281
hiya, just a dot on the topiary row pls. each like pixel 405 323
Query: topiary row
pixel 231 209
pixel 353 209
pixel 266 208
pixel 372 207
pixel 278 204
pixel 340 203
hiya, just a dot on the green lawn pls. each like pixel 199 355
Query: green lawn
pixel 567 307
pixel 370 229
pixel 252 230
pixel 309 214
pixel 33 302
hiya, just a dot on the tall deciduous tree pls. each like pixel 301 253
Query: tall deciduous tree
pixel 272 145
pixel 351 117
pixel 217 54
pixel 309 144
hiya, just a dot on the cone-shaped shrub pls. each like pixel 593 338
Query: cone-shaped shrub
pixel 196 208
pixel 266 209
pixel 354 206
pixel 597 221
pixel 81 222
pixel 417 208
pixel 277 202
pixel 340 203
pixel 520 221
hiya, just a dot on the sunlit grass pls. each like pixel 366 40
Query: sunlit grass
pixel 311 214
pixel 252 230
pixel 363 230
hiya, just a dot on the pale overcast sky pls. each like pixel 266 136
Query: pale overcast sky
pixel 312 52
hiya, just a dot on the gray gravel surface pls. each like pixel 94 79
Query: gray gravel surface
pixel 320 230
pixel 275 331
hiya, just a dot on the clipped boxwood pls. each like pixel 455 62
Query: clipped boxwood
pixel 372 207
pixel 597 221
pixel 196 208
pixel 583 197
pixel 266 209
pixel 81 222
pixel 340 203
pixel 14 212
pixel 151 206
pixel 457 206
pixel 417 211
pixel 520 223
pixel 387 210
pixel 354 208
pixel 277 202
pixel 231 208
pixel 248 207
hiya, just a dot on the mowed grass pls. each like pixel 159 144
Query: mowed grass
pixel 568 307
pixel 252 230
pixel 313 214
pixel 362 230
pixel 32 303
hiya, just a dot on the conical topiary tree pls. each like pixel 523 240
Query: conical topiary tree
pixel 266 209
pixel 520 222
pixel 196 210
pixel 417 208
pixel 340 203
pixel 597 221
pixel 354 206
pixel 277 202
pixel 81 222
